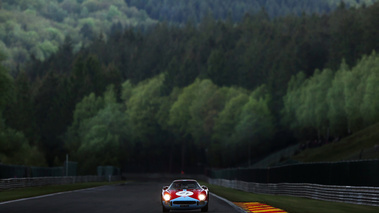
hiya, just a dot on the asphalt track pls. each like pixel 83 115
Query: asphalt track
pixel 125 198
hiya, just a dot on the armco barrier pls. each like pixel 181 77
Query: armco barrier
pixel 349 173
pixel 14 183
pixel 347 194
pixel 18 171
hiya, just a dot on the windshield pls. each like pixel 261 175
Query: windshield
pixel 178 185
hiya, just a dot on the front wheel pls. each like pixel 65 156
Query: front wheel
pixel 164 209
pixel 205 208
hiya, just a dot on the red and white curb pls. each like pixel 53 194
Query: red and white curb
pixel 256 207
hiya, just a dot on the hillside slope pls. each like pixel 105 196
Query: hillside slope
pixel 361 145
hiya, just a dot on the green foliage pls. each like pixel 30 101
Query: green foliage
pixel 228 118
pixel 204 108
pixel 101 138
pixel 21 109
pixel 255 125
pixel 225 116
pixel 106 132
pixel 15 149
pixel 86 109
pixel 6 86
pixel 196 10
pixel 370 105
pixel 256 51
pixel 180 113
pixel 338 103
pixel 225 145
pixel 39 28
pixel 98 135
pixel 216 88
pixel 216 67
pixel 292 100
pixel 360 94
pixel 142 107
pixel 14 146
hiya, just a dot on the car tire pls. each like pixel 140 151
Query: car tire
pixel 164 209
pixel 205 208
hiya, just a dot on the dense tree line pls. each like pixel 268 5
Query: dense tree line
pixel 215 94
pixel 334 103
pixel 37 28
pixel 182 11
pixel 192 126
pixel 15 148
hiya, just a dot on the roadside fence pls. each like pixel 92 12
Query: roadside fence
pixel 20 171
pixel 13 183
pixel 347 194
pixel 349 173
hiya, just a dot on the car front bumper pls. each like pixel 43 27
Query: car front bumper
pixel 184 203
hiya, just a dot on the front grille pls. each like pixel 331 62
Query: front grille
pixel 184 202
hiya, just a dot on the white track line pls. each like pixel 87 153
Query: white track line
pixel 48 195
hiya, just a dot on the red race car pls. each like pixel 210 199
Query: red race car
pixel 185 195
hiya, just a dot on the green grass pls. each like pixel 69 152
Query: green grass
pixel 361 145
pixel 291 204
pixel 14 194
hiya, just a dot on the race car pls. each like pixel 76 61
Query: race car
pixel 185 195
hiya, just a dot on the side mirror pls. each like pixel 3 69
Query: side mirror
pixel 204 187
pixel 165 188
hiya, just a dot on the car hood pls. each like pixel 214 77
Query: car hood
pixel 185 193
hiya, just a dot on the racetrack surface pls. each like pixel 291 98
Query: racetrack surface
pixel 129 197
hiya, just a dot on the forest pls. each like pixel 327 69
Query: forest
pixel 36 29
pixel 182 11
pixel 219 93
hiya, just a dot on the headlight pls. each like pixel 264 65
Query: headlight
pixel 166 197
pixel 202 197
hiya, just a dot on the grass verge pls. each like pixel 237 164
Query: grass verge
pixel 291 204
pixel 15 194
pixel 361 145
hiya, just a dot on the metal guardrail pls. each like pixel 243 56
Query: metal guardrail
pixel 347 194
pixel 14 183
